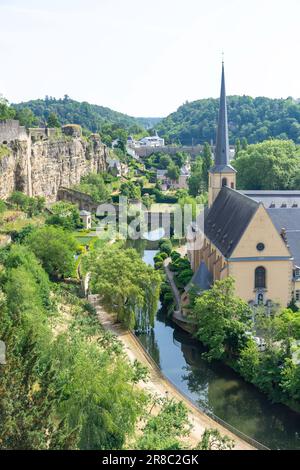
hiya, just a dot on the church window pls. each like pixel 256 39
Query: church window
pixel 260 278
pixel 260 247
pixel 224 182
pixel 232 185
pixel 297 295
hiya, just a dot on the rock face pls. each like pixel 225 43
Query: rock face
pixel 40 168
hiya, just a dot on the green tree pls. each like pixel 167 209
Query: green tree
pixel 213 440
pixel 207 163
pixel 237 148
pixel 130 190
pixel 55 248
pixel 165 430
pixel 127 286
pixel 6 111
pixel 221 320
pixel 173 172
pixel 64 214
pixel 53 120
pixel 164 161
pixel 196 178
pixel 26 117
pixel 19 199
pixel 94 185
pixel 270 165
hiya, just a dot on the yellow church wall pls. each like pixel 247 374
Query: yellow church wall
pixel 279 273
pixel 261 230
pixel 278 280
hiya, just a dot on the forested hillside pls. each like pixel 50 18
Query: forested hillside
pixel 92 117
pixel 255 119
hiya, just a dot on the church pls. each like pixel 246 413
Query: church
pixel 253 236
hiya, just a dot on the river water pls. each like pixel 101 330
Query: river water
pixel 216 388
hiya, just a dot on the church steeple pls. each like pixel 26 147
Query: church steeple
pixel 222 173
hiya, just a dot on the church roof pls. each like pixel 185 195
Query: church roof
pixel 222 153
pixel 202 279
pixel 275 199
pixel 288 219
pixel 228 218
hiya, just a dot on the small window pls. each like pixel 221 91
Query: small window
pixel 260 247
pixel 232 185
pixel 297 295
pixel 260 278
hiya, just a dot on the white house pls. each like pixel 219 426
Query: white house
pixel 86 218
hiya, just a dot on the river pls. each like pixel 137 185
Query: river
pixel 214 387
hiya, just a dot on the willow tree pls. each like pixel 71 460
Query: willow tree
pixel 127 286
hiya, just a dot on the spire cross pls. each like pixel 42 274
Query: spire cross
pixel 223 57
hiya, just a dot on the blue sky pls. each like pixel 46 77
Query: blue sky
pixel 146 58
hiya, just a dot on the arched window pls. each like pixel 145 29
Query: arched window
pixel 260 278
pixel 224 182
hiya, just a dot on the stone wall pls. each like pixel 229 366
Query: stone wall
pixel 40 168
pixel 11 130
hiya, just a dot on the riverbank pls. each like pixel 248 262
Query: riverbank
pixel 158 385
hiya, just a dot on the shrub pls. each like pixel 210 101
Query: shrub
pixel 166 248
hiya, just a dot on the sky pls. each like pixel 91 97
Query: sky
pixel 147 57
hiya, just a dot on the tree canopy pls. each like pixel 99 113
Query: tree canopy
pixel 126 285
pixel 55 248
pixel 273 164
pixel 255 119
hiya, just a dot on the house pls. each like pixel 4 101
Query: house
pixel 253 236
pixel 153 141
pixel 116 168
pixel 86 218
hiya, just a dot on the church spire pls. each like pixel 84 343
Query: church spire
pixel 222 160
pixel 222 173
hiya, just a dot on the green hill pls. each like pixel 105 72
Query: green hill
pixel 255 119
pixel 90 116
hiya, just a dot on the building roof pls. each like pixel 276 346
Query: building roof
pixel 83 212
pixel 228 218
pixel 222 152
pixel 202 279
pixel 275 199
pixel 288 219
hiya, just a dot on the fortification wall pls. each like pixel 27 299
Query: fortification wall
pixel 11 130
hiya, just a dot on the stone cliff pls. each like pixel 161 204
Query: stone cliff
pixel 40 167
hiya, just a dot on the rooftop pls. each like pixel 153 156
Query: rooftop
pixel 289 220
pixel 228 218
